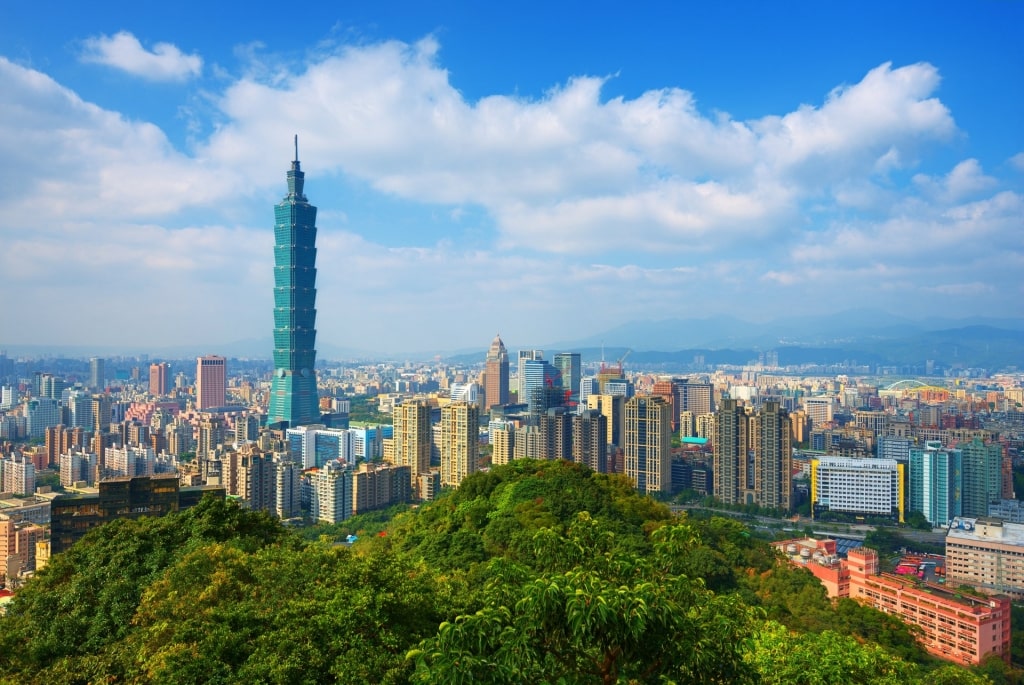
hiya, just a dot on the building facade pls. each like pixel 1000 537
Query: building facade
pixel 869 487
pixel 460 442
pixel 293 392
pixel 496 374
pixel 936 481
pixel 648 443
pixel 211 382
pixel 987 554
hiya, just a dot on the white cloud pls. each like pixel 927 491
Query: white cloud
pixel 165 62
pixel 585 212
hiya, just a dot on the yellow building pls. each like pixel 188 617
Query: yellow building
pixel 648 443
pixel 460 442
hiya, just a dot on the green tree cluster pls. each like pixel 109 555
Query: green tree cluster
pixel 538 572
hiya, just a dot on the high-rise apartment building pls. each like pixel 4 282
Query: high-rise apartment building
pixel 773 451
pixel 158 378
pixel 555 434
pixel 331 497
pixel 613 408
pixel 589 440
pixel 410 441
pixel 502 439
pixel 293 393
pixel 648 443
pixel 211 382
pixel 41 413
pixel 460 443
pixel 753 455
pixel 496 374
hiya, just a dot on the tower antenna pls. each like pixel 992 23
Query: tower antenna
pixel 296 147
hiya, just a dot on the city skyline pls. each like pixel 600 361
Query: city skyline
pixel 480 170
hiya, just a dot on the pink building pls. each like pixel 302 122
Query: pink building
pixel 211 382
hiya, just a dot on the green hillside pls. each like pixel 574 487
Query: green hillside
pixel 536 572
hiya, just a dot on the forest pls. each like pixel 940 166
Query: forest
pixel 534 572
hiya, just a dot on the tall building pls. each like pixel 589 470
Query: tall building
pixel 773 451
pixel 40 414
pixel 410 441
pixel 331 498
pixel 460 443
pixel 731 442
pixel 496 374
pixel 502 439
pixel 871 487
pixel 648 443
pixel 982 476
pixel 589 440
pixel 211 382
pixel 97 373
pixel 555 434
pixel 613 408
pixel 158 378
pixel 525 356
pixel 541 386
pixel 293 393
pixel 568 366
pixel 936 482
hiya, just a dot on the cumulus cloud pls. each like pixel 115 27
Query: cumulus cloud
pixel 165 62
pixel 643 205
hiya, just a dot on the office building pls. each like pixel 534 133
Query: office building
pixel 460 442
pixel 819 411
pixel 72 516
pixel 97 373
pixel 987 554
pixel 648 443
pixel 866 487
pixel 293 393
pixel 936 482
pixel 496 374
pixel 982 476
pixel 525 356
pixel 541 387
pixel 613 408
pixel 41 413
pixel 211 382
pixel 159 378
pixel 568 368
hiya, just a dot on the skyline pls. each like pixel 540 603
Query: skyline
pixel 477 171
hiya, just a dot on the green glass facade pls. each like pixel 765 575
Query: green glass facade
pixel 293 398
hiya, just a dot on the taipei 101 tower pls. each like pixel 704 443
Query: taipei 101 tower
pixel 293 393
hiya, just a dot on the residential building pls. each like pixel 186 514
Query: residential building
pixel 331 497
pixel 589 443
pixel 376 486
pixel 648 443
pixel 460 442
pixel 982 476
pixel 410 444
pixel 97 373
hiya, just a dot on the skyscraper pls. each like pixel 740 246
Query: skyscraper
pixel 936 482
pixel 97 373
pixel 211 380
pixel 569 368
pixel 496 374
pixel 158 378
pixel 293 394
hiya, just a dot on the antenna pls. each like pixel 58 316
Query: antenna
pixel 296 147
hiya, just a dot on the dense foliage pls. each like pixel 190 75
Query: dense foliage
pixel 533 572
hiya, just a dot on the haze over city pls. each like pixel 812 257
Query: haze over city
pixel 549 172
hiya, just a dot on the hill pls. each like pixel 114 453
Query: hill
pixel 532 572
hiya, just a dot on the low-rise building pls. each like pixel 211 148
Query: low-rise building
pixel 987 554
pixel 953 625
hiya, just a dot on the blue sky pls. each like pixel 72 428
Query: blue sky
pixel 546 170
